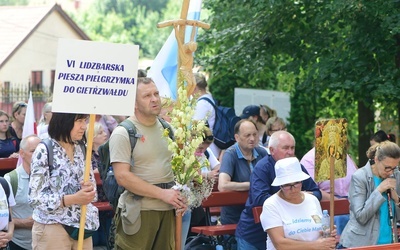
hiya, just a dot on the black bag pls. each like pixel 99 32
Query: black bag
pixel 73 232
pixel 199 242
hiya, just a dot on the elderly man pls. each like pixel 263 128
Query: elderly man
pixel 237 164
pixel 250 236
pixel 19 180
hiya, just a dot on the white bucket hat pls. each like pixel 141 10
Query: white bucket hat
pixel 288 170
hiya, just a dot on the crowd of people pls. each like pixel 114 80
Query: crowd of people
pixel 48 188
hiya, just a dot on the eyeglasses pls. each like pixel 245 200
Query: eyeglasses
pixel 389 169
pixel 290 186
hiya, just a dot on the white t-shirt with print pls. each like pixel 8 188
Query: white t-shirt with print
pixel 299 221
pixel 4 211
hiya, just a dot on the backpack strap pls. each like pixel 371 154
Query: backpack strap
pixel 83 148
pixel 211 102
pixel 168 126
pixel 132 132
pixel 14 180
pixel 50 155
pixel 49 147
pixel 208 100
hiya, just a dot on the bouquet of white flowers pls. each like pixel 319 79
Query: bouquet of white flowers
pixel 188 135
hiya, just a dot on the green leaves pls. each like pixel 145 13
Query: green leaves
pixel 328 54
pixel 130 21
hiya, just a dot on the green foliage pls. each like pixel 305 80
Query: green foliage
pixel 328 54
pixel 129 21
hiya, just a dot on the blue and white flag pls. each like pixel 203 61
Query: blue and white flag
pixel 164 71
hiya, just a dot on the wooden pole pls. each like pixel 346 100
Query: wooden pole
pixel 332 191
pixel 88 165
pixel 178 231
pixel 178 217
pixel 184 13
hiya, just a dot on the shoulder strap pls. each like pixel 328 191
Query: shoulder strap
pixel 132 132
pixel 168 126
pixel 5 186
pixel 83 148
pixel 49 146
pixel 212 103
pixel 14 181
pixel 208 100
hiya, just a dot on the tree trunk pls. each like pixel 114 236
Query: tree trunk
pixel 365 118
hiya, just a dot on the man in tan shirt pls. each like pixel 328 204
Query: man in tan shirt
pixel 145 215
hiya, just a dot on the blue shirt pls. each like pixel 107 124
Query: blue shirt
pixel 385 231
pixel 239 169
pixel 260 189
pixel 7 147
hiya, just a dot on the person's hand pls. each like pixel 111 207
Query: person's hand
pixel 86 194
pixel 5 237
pixel 326 243
pixel 14 155
pixel 174 198
pixel 213 174
pixel 388 184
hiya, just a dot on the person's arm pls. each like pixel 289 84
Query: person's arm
pixel 23 223
pixel 277 237
pixel 39 195
pixel 225 184
pixel 261 179
pixel 364 207
pixel 136 185
pixel 326 196
pixel 228 165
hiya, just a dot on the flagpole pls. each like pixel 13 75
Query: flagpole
pixel 29 127
pixel 88 165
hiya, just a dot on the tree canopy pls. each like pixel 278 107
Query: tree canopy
pixel 129 21
pixel 335 57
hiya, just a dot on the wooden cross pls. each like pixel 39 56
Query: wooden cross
pixel 185 50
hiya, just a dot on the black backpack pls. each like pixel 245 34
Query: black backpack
pixel 225 121
pixel 110 186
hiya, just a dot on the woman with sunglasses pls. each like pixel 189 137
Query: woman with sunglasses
pixel 292 218
pixel 374 199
